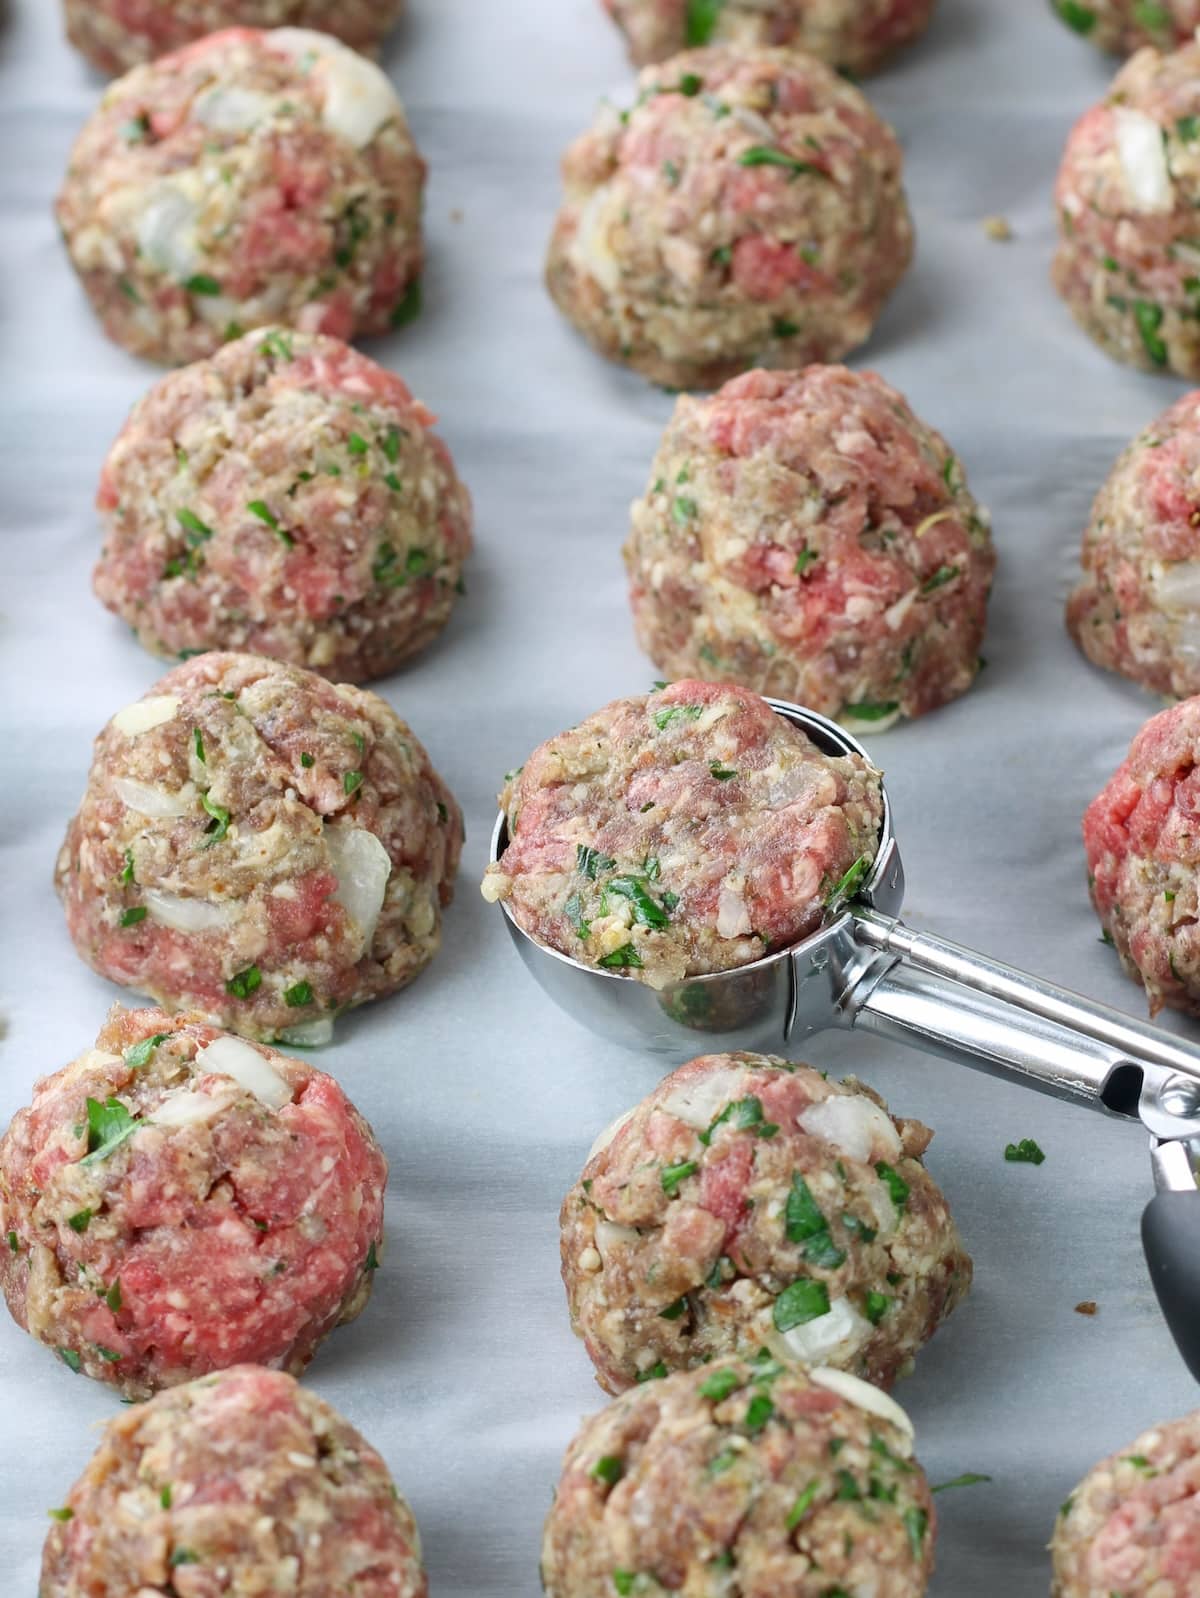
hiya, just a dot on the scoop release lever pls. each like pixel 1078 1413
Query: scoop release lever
pixel 1171 1220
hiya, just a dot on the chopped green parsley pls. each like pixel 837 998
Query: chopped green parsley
pixel 1026 1152
pixel 244 983
pixel 801 1302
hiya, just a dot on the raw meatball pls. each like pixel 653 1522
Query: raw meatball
pixel 805 535
pixel 748 1203
pixel 682 832
pixel 239 1483
pixel 286 496
pixel 177 1200
pixel 118 34
pixel 1128 262
pixel 1125 25
pixel 1137 609
pixel 746 211
pixel 752 1477
pixel 852 34
pixel 1132 1526
pixel 260 845
pixel 1143 854
pixel 251 178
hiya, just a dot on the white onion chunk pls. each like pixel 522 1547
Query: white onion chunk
pixel 235 1058
pixel 362 866
pixel 145 713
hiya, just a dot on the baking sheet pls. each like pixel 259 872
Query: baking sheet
pixel 463 1370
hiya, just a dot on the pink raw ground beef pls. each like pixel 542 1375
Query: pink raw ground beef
pixel 1142 837
pixel 249 179
pixel 260 845
pixel 1132 1527
pixel 116 35
pixel 681 832
pixel 748 1203
pixel 757 1477
pixel 1137 608
pixel 1128 259
pixel 746 211
pixel 854 35
pixel 178 1200
pixel 288 497
pixel 806 535
pixel 242 1483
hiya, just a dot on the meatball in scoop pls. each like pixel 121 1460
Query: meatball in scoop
pixel 682 832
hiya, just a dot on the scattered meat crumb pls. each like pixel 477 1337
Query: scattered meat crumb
pixel 1087 1307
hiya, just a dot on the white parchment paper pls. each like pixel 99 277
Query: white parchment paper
pixel 463 1370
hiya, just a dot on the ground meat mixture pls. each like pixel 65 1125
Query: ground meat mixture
pixel 854 35
pixel 1131 1529
pixel 746 211
pixel 1143 852
pixel 178 1200
pixel 744 1479
pixel 1128 260
pixel 260 845
pixel 288 497
pixel 682 832
pixel 249 179
pixel 748 1203
pixel 239 1484
pixel 1125 25
pixel 118 34
pixel 804 534
pixel 1137 609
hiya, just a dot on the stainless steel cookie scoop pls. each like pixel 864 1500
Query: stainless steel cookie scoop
pixel 863 968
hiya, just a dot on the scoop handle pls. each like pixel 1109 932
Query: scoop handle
pixel 1171 1239
pixel 921 990
pixel 937 995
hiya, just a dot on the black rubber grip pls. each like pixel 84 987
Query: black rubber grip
pixel 1171 1238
